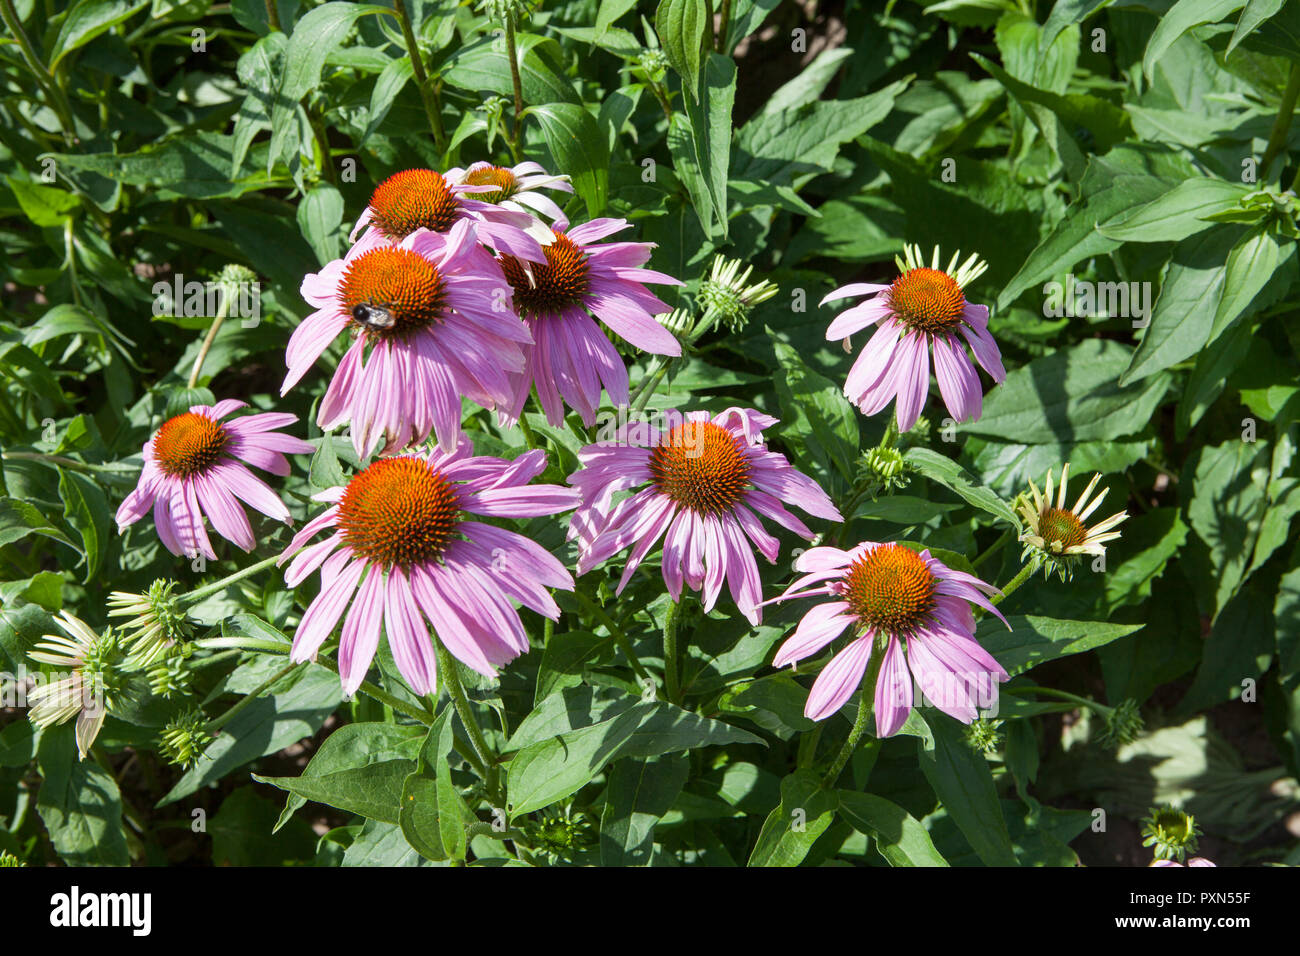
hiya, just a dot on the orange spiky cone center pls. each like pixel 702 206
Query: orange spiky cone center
pixel 399 512
pixel 890 589
pixel 189 445
pixel 400 281
pixel 702 466
pixel 505 181
pixel 413 199
pixel 562 281
pixel 927 300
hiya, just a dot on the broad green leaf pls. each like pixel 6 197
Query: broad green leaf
pixel 18 519
pixel 580 148
pixel 1034 640
pixel 1071 395
pixel 805 811
pixel 639 793
pixel 484 65
pixel 1177 214
pixel 320 214
pixel 396 75
pixel 564 660
pixel 1252 15
pixel 44 205
pixel 551 770
pixel 1183 315
pixel 1250 266
pixel 962 780
pixel 79 803
pixel 88 19
pixel 1181 17
pixel 955 478
pixel 85 508
pixel 682 25
pixel 1226 507
pixel 817 420
pixel 899 836
pixel 710 122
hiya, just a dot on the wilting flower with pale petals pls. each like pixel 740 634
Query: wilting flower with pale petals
pixel 512 187
pixel 403 550
pixel 708 481
pixel 924 310
pixel 571 356
pixel 421 199
pixel 901 600
pixel 434 316
pixel 1056 535
pixel 93 682
pixel 195 465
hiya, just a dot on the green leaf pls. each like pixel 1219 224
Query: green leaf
pixel 1071 395
pixel 79 803
pixel 1034 640
pixel 1254 13
pixel 710 128
pixel 320 214
pixel 817 420
pixel 550 770
pixel 87 20
pixel 900 837
pixel 805 811
pixel 432 815
pixel 1184 312
pixel 1177 214
pixel 1226 507
pixel 45 206
pixel 639 793
pixel 18 519
pixel 580 148
pixel 681 25
pixel 349 752
pixel 1181 17
pixel 962 780
pixel 564 660
pixel 1250 266
pixel 485 66
pixel 392 81
pixel 85 508
pixel 955 478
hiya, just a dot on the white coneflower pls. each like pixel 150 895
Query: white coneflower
pixel 88 692
pixel 1057 536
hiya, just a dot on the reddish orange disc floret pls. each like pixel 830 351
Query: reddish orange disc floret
pixel 399 280
pixel 497 176
pixel 399 512
pixel 189 445
pixel 927 300
pixel 562 281
pixel 701 466
pixel 890 589
pixel 413 199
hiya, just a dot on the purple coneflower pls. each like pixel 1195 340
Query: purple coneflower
pixel 901 598
pixel 1194 861
pixel 194 465
pixel 571 356
pixel 924 310
pixel 512 187
pixel 422 199
pixel 708 481
pixel 404 550
pixel 434 316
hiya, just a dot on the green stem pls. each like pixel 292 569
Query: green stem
pixel 721 39
pixel 44 78
pixel 273 16
pixel 211 337
pixel 516 128
pixel 193 597
pixel 451 680
pixel 1093 705
pixel 866 697
pixel 370 690
pixel 671 625
pixel 216 723
pixel 431 110
pixel 1021 577
pixel 1282 125
pixel 993 549
pixel 619 635
pixel 530 437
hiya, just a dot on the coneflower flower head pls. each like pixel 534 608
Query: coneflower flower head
pixel 1057 536
pixel 909 608
pixel 1171 833
pixel 95 682
pixel 923 311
